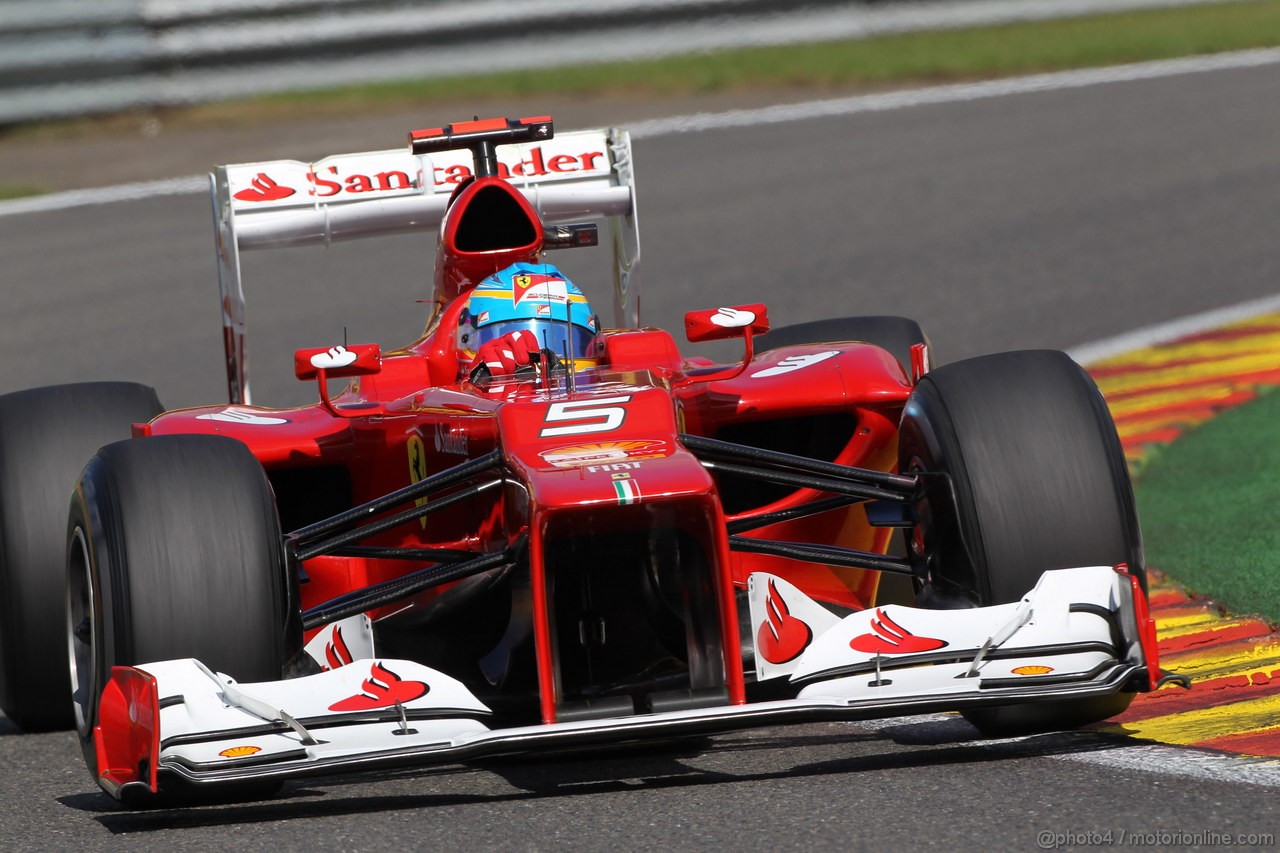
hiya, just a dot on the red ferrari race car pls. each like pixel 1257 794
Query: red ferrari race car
pixel 534 530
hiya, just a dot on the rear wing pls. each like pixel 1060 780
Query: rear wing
pixel 577 175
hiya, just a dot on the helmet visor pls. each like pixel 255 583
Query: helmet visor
pixel 557 337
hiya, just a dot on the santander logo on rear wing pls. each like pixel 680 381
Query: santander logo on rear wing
pixel 278 184
pixel 348 196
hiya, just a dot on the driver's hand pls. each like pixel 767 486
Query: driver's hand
pixel 503 356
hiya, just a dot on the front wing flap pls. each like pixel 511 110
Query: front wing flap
pixel 1073 621
pixel 174 724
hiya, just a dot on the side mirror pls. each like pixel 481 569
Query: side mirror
pixel 323 364
pixel 716 324
pixel 337 362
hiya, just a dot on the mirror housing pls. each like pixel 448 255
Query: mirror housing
pixel 337 362
pixel 716 324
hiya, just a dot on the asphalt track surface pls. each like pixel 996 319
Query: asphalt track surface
pixel 1048 219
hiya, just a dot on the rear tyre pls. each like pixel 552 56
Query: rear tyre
pixel 46 434
pixel 174 551
pixel 1033 478
pixel 897 335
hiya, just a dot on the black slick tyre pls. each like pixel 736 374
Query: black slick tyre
pixel 174 551
pixel 46 435
pixel 1024 474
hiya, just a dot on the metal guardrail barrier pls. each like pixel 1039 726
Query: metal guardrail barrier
pixel 74 57
pixel 71 57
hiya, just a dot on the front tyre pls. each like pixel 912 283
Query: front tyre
pixel 1024 474
pixel 173 551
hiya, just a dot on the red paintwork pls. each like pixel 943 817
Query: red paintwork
pixel 1146 627
pixel 459 268
pixel 547 692
pixel 473 126
pixel 640 349
pixel 367 359
pixel 127 735
pixel 720 323
pixel 604 456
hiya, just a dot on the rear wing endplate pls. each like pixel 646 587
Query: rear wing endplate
pixel 577 175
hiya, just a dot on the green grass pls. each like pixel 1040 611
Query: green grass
pixel 19 191
pixel 916 57
pixel 1210 508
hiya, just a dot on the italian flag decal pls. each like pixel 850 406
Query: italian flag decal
pixel 628 491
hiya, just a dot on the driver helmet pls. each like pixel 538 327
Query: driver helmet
pixel 537 297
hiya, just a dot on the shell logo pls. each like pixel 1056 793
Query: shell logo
pixel 596 453
pixel 240 751
pixel 1035 669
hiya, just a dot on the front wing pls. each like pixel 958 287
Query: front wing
pixel 1080 634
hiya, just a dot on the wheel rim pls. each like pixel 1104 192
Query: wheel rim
pixel 82 631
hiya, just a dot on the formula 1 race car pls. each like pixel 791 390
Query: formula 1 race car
pixel 527 530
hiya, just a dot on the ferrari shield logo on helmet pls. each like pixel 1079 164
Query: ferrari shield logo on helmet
pixel 540 286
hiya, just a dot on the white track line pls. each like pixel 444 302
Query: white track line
pixel 1172 330
pixel 955 93
pixel 1184 761
pixel 699 122
pixel 104 195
